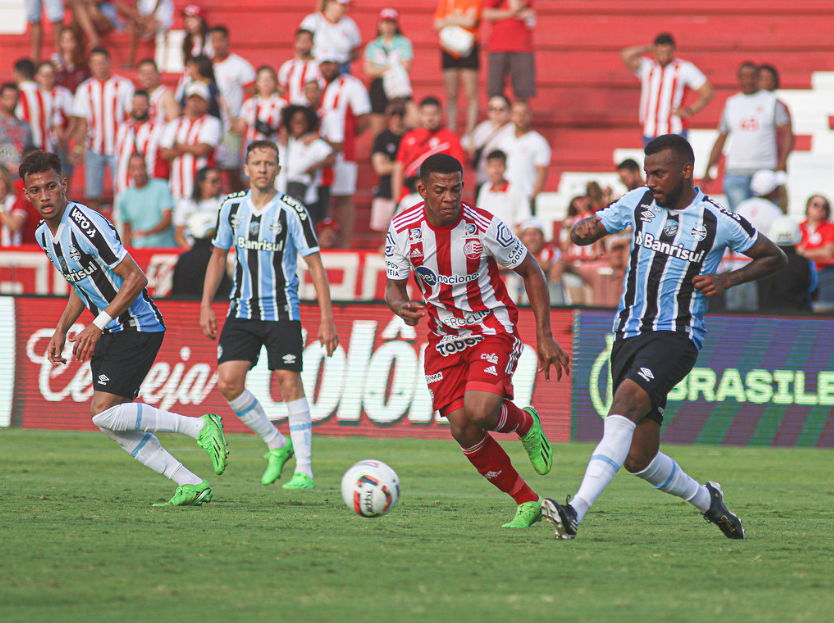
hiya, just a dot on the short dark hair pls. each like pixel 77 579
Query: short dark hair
pixel 201 176
pixel 748 65
pixel 304 31
pixel 26 68
pixel 629 164
pixel 430 101
pixel 678 144
pixel 221 29
pixel 142 93
pixel 262 144
pixel 503 97
pixel 664 38
pixel 497 154
pixel 310 115
pixel 439 163
pixel 826 206
pixel 147 61
pixel 8 85
pixel 45 64
pixel 773 71
pixel 99 50
pixel 39 162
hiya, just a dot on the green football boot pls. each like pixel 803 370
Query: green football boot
pixel 526 515
pixel 276 459
pixel 537 446
pixel 212 440
pixel 299 481
pixel 190 495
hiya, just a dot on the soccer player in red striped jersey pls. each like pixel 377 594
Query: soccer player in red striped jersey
pixel 455 250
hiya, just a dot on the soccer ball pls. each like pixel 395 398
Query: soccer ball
pixel 370 488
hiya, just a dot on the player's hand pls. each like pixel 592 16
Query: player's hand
pixel 712 285
pixel 550 353
pixel 85 342
pixel 705 181
pixel 55 349
pixel 411 312
pixel 587 228
pixel 328 337
pixel 208 322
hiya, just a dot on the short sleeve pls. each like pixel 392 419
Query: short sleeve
pixel 736 231
pixel 782 116
pixel 503 244
pixel 380 143
pixel 283 74
pixel 354 34
pixel 224 235
pixel 211 132
pixel 100 239
pixel 693 77
pixel 166 199
pixel 408 49
pixel 543 152
pixel 360 103
pixel 724 124
pixel 127 91
pixel 619 215
pixel 181 211
pixel 169 134
pixel 301 228
pixel 81 104
pixel 645 67
pixel 370 49
pixel 309 23
pixel 246 72
pixel 397 266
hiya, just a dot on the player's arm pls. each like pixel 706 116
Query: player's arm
pixel 396 297
pixel 214 275
pixel 768 259
pixel 784 144
pixel 714 157
pixel 200 150
pixel 705 95
pixel 327 328
pixel 587 231
pixel 549 352
pixel 170 106
pixel 631 56
pixel 71 313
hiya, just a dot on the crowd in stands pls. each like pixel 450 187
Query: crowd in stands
pixel 172 154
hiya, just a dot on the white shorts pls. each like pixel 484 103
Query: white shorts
pixel 344 183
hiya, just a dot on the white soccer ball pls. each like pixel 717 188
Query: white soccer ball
pixel 370 488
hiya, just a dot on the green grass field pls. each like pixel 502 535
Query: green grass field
pixel 80 541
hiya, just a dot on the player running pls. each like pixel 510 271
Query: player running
pixel 268 231
pixel 125 336
pixel 680 235
pixel 455 250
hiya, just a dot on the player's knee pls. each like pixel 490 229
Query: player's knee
pixel 230 387
pixel 637 460
pixel 103 418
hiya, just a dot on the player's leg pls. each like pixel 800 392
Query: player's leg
pixel 469 78
pixel 450 82
pixel 301 428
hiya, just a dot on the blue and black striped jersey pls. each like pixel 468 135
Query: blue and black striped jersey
pixel 267 243
pixel 85 250
pixel 669 248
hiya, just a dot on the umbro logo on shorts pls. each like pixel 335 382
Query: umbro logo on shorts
pixel 491 370
pixel 103 378
pixel 289 359
pixel 646 374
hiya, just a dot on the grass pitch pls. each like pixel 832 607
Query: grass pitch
pixel 79 540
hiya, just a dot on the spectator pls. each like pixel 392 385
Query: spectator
pixel 205 199
pixel 579 208
pixel 418 144
pixel 62 101
pixel 15 135
pixel 146 209
pixel 818 245
pixel 95 19
pixel 769 81
pixel 346 105
pixel 140 135
pixel 70 64
pixel 235 79
pixel 303 159
pixel 528 154
pixel 260 115
pixel 791 289
pixel 298 71
pixel 500 196
pixel 100 105
pixel 665 80
pixel 605 278
pixel 630 175
pixel 484 139
pixel 329 126
pixel 12 217
pixel 189 142
pixel 388 61
pixel 164 106
pixel 335 35
pixel 511 47
pixel 328 233
pixel 190 270
pixel 531 233
pixel 55 14
pixel 196 41
pixel 383 157
pixel 761 132
pixel 201 69
pixel 36 106
pixel 457 22
pixel 147 19
pixel 598 197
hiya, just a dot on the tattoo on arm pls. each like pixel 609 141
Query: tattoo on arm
pixel 767 260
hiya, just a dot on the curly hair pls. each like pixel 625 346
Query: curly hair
pixel 39 162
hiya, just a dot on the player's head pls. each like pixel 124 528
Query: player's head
pixel 431 114
pixel 141 105
pixel 100 63
pixel 629 172
pixel 45 76
pixel 664 49
pixel 219 36
pixel 303 42
pixel 147 74
pixel 748 78
pixel 669 164
pixel 261 164
pixel 24 69
pixel 441 187
pixel 768 78
pixel 44 186
pixel 496 166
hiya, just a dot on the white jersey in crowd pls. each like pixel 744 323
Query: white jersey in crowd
pixel 524 154
pixel 234 74
pixel 344 99
pixel 62 98
pixel 206 129
pixel 506 202
pixel 186 207
pixel 105 105
pixel 37 108
pixel 267 111
pixel 162 10
pixel 139 138
pixel 297 157
pixel 751 121
pixel 485 136
pixel 663 91
pixel 7 238
pixel 337 40
pixel 157 112
pixel 293 75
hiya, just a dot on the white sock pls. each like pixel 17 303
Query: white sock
pixel 251 413
pixel 146 449
pixel 605 462
pixel 301 431
pixel 137 416
pixel 665 474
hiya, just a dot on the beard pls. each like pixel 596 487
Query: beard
pixel 142 117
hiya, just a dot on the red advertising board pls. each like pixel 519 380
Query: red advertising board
pixel 373 386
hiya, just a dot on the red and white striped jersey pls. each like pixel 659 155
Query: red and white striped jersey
pixel 457 269
pixel 663 91
pixel 185 131
pixel 344 99
pixel 62 98
pixel 293 75
pixel 105 105
pixel 266 111
pixel 157 112
pixel 143 138
pixel 37 108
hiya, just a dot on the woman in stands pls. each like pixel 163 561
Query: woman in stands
pixel 70 63
pixel 818 245
pixel 200 69
pixel 334 33
pixel 260 116
pixel 484 139
pixel 196 40
pixel 205 197
pixel 11 219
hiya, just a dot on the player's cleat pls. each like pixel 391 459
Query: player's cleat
pixel 537 446
pixel 190 495
pixel 277 458
pixel 299 481
pixel 526 515
pixel 720 515
pixel 212 440
pixel 563 518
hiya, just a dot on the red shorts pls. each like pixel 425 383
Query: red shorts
pixel 483 363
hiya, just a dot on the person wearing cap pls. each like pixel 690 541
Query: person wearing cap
pixel 791 289
pixel 328 232
pixel 190 269
pixel 500 196
pixel 334 33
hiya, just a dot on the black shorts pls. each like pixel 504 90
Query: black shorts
pixel 379 100
pixel 241 340
pixel 472 61
pixel 656 362
pixel 122 360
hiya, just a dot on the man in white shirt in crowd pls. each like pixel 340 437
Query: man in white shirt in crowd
pixel 296 72
pixel 164 106
pixel 665 82
pixel 36 106
pixel 761 131
pixel 140 135
pixel 528 154
pixel 236 81
pixel 500 196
